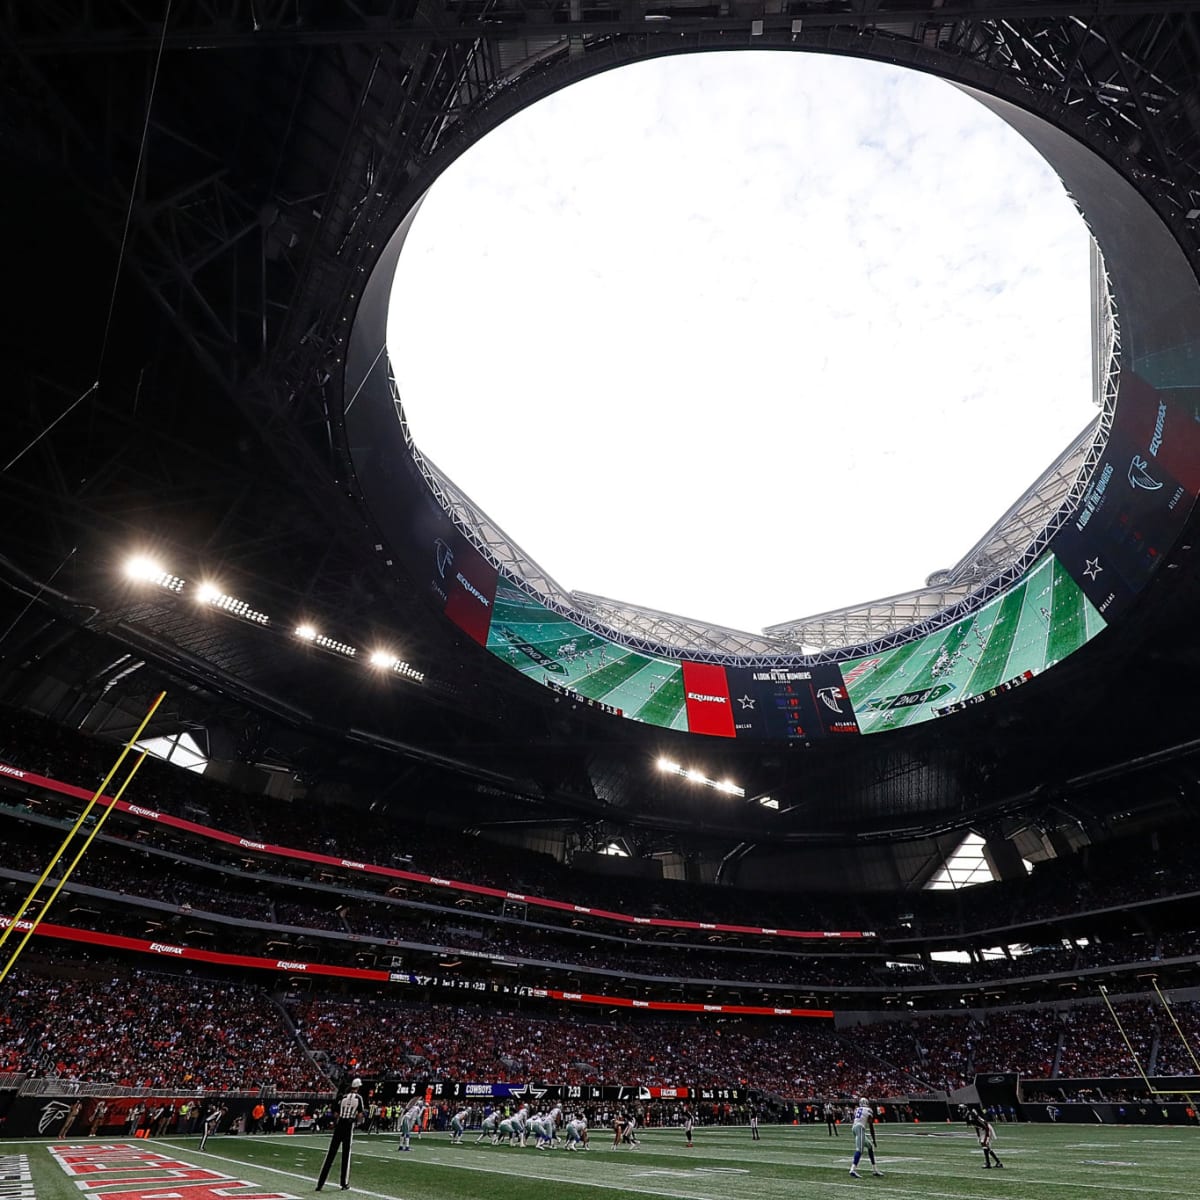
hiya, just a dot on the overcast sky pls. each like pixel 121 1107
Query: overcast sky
pixel 746 336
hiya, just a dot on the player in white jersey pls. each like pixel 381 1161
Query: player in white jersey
pixel 509 1128
pixel 491 1127
pixel 520 1121
pixel 553 1121
pixel 577 1134
pixel 864 1117
pixel 458 1125
pixel 537 1126
pixel 409 1122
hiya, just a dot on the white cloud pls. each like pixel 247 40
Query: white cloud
pixel 798 328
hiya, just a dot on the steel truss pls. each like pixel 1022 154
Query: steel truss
pixel 287 139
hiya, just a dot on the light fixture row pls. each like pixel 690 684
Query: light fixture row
pixel 693 776
pixel 142 569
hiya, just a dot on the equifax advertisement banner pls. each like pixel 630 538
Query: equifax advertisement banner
pixel 145 813
pixel 706 694
pixel 116 941
pixel 466 582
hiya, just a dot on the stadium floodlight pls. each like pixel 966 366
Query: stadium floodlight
pixel 385 660
pixel 308 633
pixel 768 802
pixel 210 594
pixel 146 570
pixel 694 776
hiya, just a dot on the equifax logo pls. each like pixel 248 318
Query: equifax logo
pixel 707 699
pixel 284 965
pixel 472 589
pixel 163 948
pixel 356 866
pixel 1159 421
pixel 7 770
pixel 249 845
pixel 148 813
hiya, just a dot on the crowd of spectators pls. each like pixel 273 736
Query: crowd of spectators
pixel 141 1029
pixel 132 872
pixel 1100 877
pixel 99 1021
pixel 417 1040
pixel 275 894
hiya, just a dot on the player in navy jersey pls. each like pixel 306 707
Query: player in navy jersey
pixel 349 1111
pixel 864 1117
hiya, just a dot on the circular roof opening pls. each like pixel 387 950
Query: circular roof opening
pixel 746 336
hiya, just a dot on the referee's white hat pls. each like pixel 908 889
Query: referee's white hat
pixel 356 1083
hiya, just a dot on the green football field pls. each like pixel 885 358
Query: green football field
pixel 935 1162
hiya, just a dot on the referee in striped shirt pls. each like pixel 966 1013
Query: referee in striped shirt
pixel 349 1109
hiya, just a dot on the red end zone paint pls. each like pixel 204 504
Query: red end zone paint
pixel 706 691
pixel 145 1173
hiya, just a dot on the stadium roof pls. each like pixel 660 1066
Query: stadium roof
pixel 192 211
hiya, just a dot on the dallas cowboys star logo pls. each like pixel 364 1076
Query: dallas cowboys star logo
pixel 747 702
pixel 1092 568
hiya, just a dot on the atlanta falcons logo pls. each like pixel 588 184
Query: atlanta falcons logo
pixel 54 1112
pixel 445 556
pixel 829 696
pixel 1138 478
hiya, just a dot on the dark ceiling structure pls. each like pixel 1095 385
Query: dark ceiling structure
pixel 194 193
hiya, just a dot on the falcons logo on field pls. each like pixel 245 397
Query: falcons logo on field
pixel 54 1112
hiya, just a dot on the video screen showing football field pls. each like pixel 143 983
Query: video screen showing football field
pixel 554 650
pixel 1039 621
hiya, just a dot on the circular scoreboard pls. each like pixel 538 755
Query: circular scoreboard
pixel 1133 497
